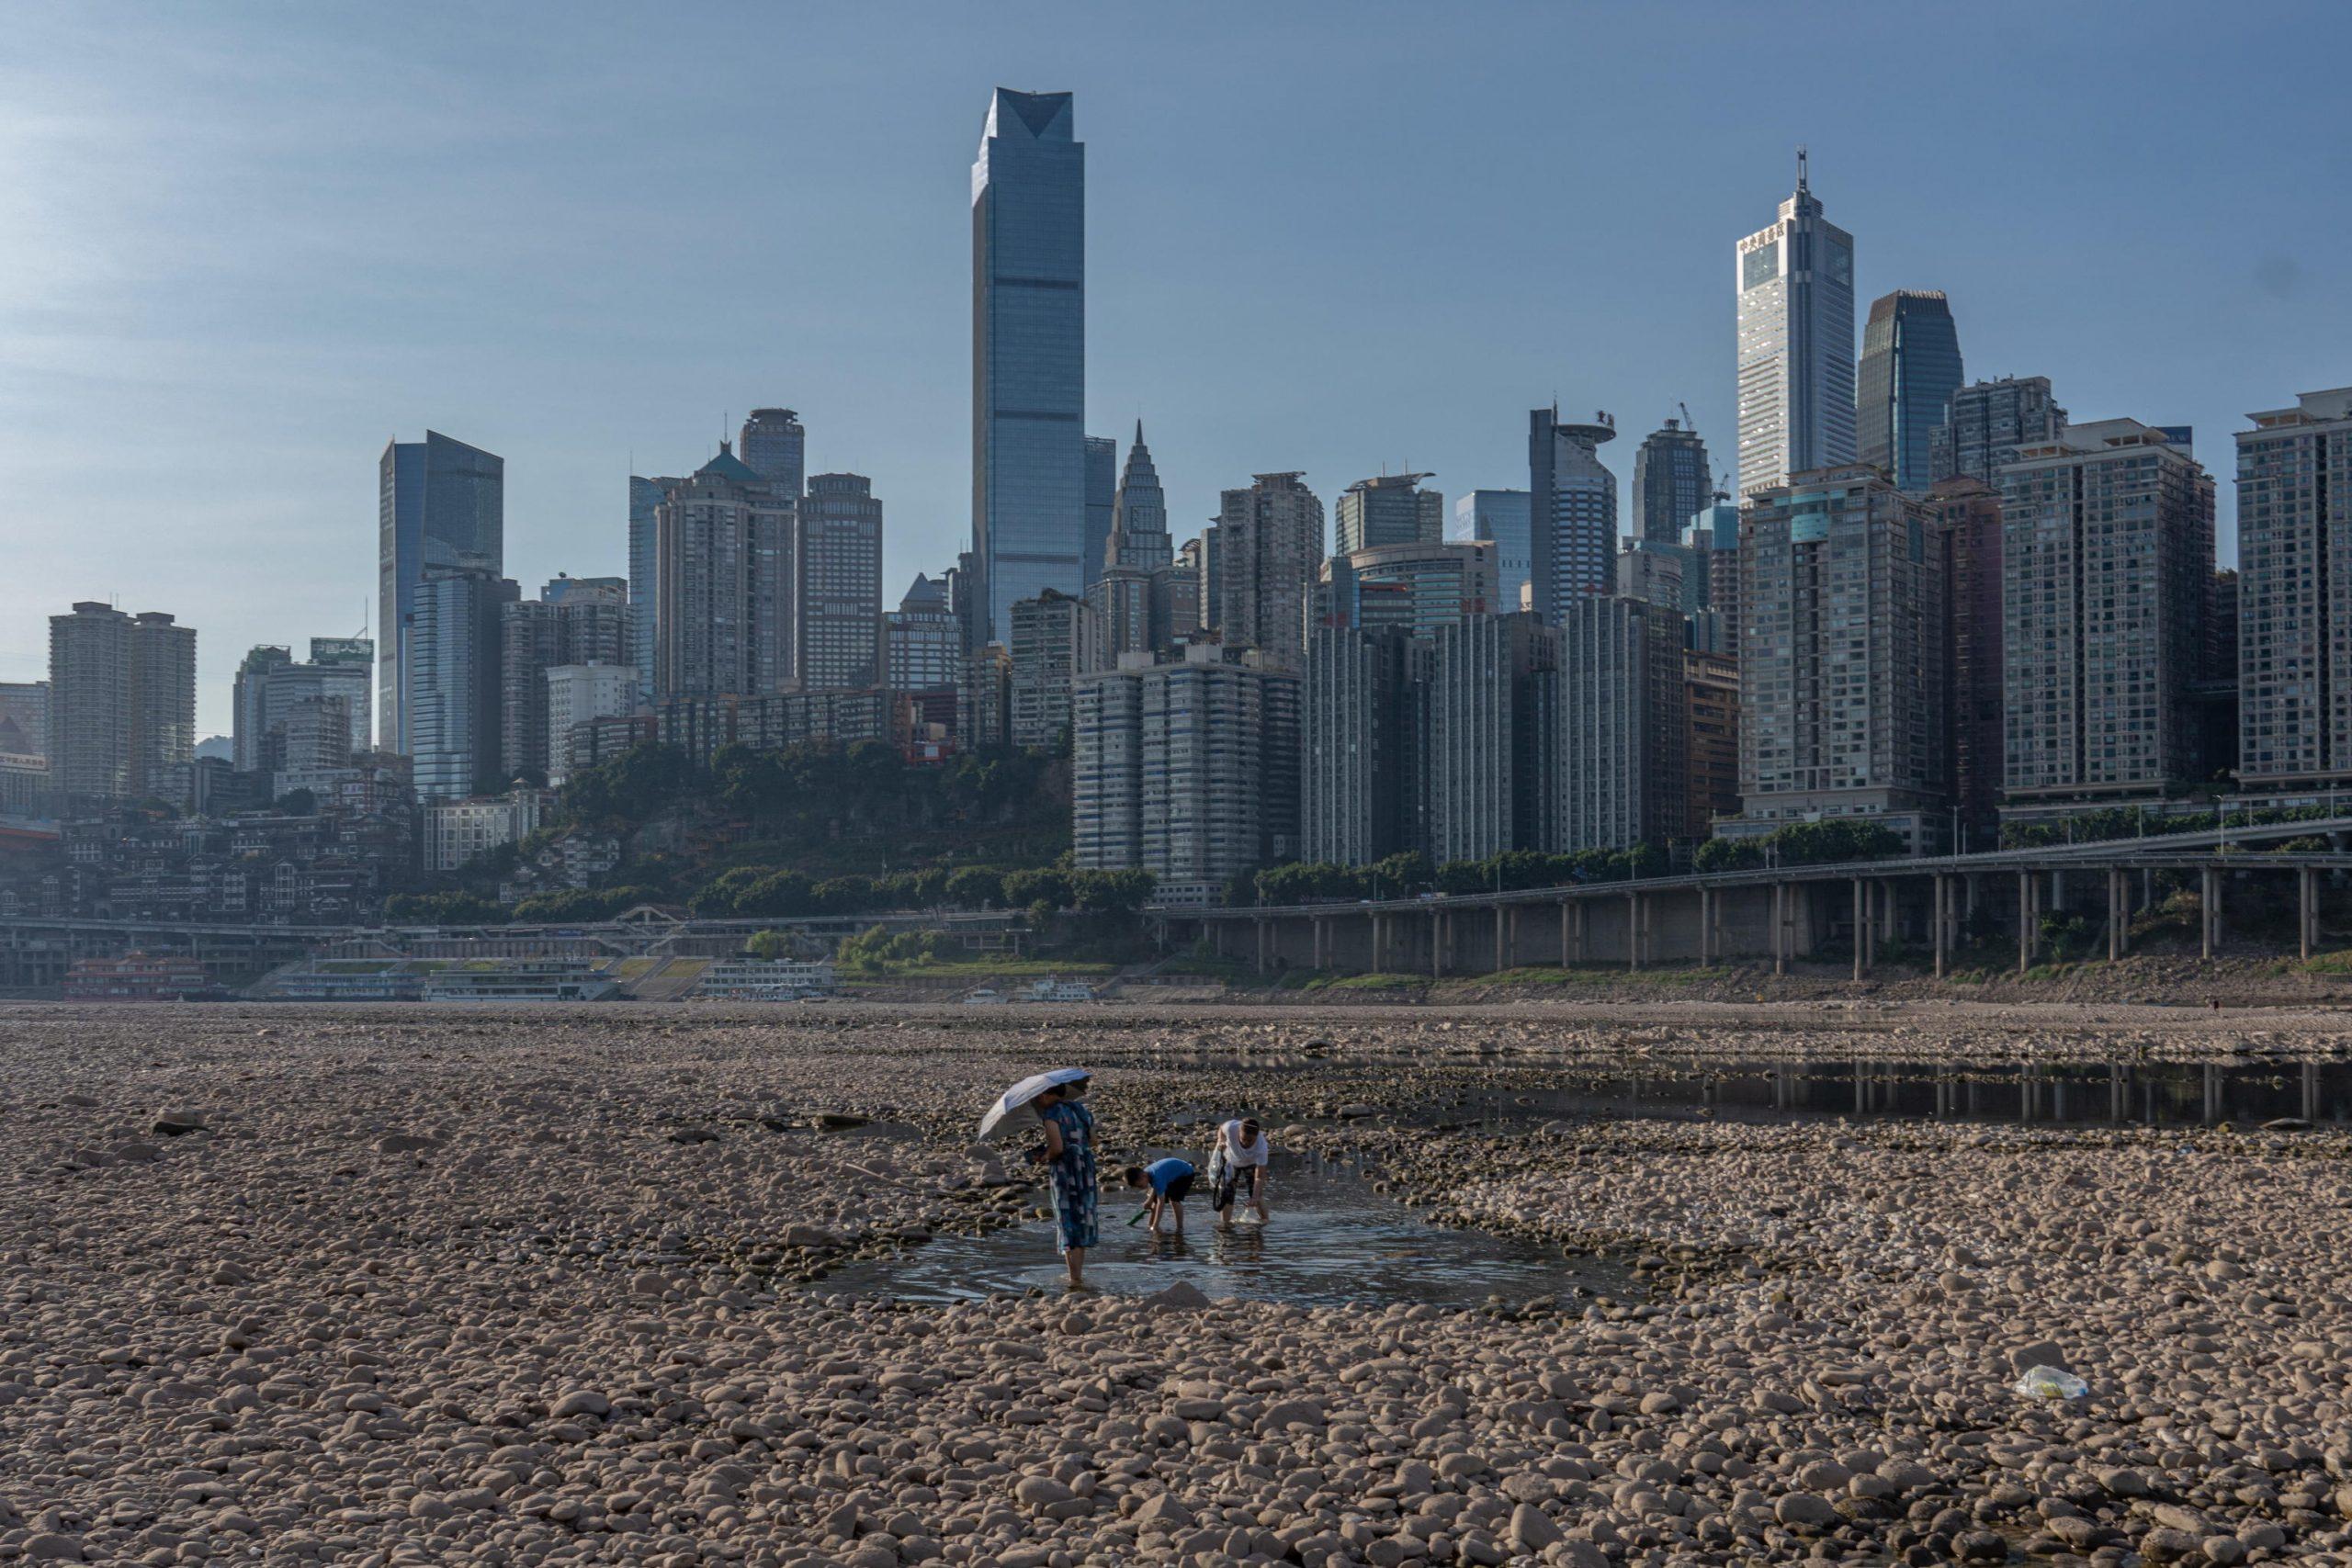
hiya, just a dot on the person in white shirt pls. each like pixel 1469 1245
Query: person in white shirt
pixel 1238 1165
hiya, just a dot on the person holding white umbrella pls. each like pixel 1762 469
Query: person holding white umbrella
pixel 1068 1155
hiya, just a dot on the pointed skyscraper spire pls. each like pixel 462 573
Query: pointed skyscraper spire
pixel 1139 516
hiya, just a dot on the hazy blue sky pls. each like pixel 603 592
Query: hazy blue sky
pixel 243 246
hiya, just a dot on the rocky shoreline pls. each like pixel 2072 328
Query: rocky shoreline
pixel 402 1285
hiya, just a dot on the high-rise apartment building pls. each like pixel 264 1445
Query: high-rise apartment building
pixel 574 697
pixel 1264 549
pixel 2107 565
pixel 1658 573
pixel 1986 422
pixel 1500 515
pixel 1671 482
pixel 1841 679
pixel 575 621
pixel 1056 639
pixel 1187 769
pixel 837 608
pixel 1363 751
pixel 1621 767
pixel 1572 510
pixel 1102 504
pixel 726 577
pixel 1028 355
pixel 921 648
pixel 774 444
pixel 1964 522
pixel 984 698
pixel 270 684
pixel 1713 542
pixel 1910 368
pixel 2294 595
pixel 1415 588
pixel 121 702
pixel 1711 740
pixel 1493 743
pixel 644 575
pixel 1795 283
pixel 454 682
pixel 1390 510
pixel 440 503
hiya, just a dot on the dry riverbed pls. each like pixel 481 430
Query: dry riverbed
pixel 411 1285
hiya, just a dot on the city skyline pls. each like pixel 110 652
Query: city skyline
pixel 105 334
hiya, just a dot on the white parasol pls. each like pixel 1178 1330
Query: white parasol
pixel 1025 1091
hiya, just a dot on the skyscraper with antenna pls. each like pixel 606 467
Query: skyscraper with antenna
pixel 1795 285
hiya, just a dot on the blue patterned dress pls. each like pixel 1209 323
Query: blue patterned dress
pixel 1075 1190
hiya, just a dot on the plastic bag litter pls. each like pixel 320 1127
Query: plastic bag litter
pixel 2050 1383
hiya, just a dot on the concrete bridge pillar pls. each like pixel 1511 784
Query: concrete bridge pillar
pixel 2307 909
pixel 1780 917
pixel 2209 902
pixel 1437 944
pixel 1502 941
pixel 1707 934
pixel 1265 935
pixel 1862 928
pixel 1633 930
pixel 2119 913
pixel 2027 934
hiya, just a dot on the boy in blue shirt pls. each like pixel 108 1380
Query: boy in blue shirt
pixel 1170 1181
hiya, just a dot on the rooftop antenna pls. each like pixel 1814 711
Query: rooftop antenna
pixel 1802 187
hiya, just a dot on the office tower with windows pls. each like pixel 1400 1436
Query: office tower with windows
pixel 1188 769
pixel 1499 516
pixel 121 703
pixel 576 695
pixel 575 621
pixel 1671 481
pixel 1138 514
pixel 726 574
pixel 2107 568
pixel 1028 356
pixel 455 690
pixel 1795 285
pixel 1415 588
pixel 774 444
pixel 1902 389
pixel 922 652
pixel 439 503
pixel 1493 743
pixel 1985 423
pixel 644 574
pixel 837 602
pixel 1841 680
pixel 984 698
pixel 2292 597
pixel 1102 502
pixel 1621 766
pixel 1711 740
pixel 1964 523
pixel 1362 793
pixel 1390 510
pixel 24 718
pixel 1264 550
pixel 1056 639
pixel 1572 510
pixel 1660 574
pixel 270 683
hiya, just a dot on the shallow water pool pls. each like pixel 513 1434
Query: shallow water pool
pixel 1332 1239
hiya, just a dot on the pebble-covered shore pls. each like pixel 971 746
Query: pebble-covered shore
pixel 411 1285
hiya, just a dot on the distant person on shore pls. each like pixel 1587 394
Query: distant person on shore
pixel 1069 1158
pixel 1170 1181
pixel 1238 1168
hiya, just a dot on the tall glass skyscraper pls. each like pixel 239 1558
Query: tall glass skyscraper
pixel 1910 369
pixel 1029 488
pixel 1102 501
pixel 644 575
pixel 441 505
pixel 1572 511
pixel 1671 482
pixel 1795 280
pixel 1499 516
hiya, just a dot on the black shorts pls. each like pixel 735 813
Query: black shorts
pixel 1241 1180
pixel 1179 1188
